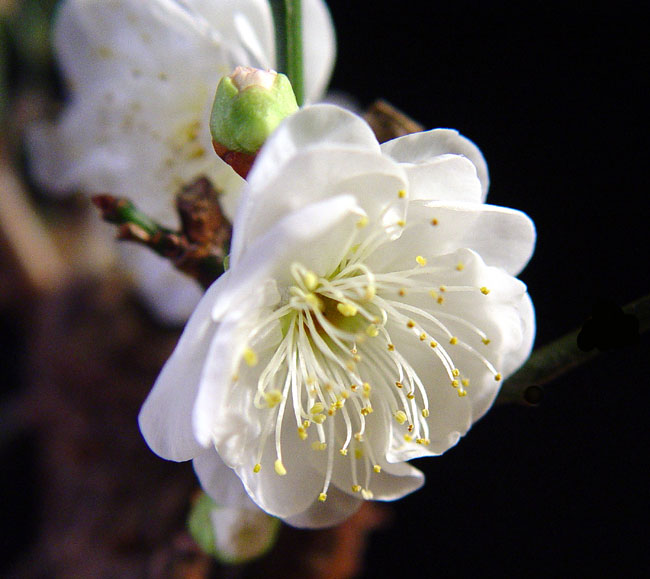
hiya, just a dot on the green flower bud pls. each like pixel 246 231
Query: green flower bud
pixel 248 106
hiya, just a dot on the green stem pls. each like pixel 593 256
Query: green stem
pixel 558 357
pixel 287 17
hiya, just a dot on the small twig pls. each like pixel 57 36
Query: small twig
pixel 388 123
pixel 199 249
pixel 564 354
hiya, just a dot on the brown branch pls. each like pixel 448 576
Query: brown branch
pixel 198 249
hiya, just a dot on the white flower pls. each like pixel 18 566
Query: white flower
pixel 367 318
pixel 142 75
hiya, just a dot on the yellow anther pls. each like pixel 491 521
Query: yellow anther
pixel 455 372
pixel 358 453
pixel 302 433
pixel 319 418
pixel 433 344
pixel 347 310
pixel 353 387
pixel 401 223
pixel 440 300
pixel 331 410
pixel 462 393
pixel 402 291
pixel 410 324
pixel 453 340
pixel 366 410
pixel 367 387
pixel 314 302
pixel 372 330
pixel 486 341
pixel 257 468
pixel 359 438
pixel 362 222
pixel 465 382
pixel 434 221
pixel 272 398
pixel 485 291
pixel 400 416
pixel 399 384
pixel 344 451
pixel 356 488
pixel 422 261
pixel 376 468
pixel 408 438
pixel 433 294
pixel 423 441
pixel 391 347
pixel 367 494
pixel 345 395
pixel 305 424
pixel 250 357
pixel 423 337
pixel 409 428
pixel 317 408
pixel 279 468
pixel 356 358
pixel 322 497
pixel 460 266
pixel 455 383
pixel 317 445
pixel 401 193
pixel 339 403
pixel 497 377
pixel 425 413
pixel 410 395
pixel 310 280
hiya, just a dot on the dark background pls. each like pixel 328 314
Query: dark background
pixel 556 97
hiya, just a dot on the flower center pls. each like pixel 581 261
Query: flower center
pixel 336 358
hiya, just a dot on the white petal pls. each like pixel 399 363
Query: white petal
pixel 220 481
pixel 319 48
pixel 375 181
pixel 338 507
pixel 444 178
pixel 166 416
pixel 502 237
pixel 322 126
pixel 423 147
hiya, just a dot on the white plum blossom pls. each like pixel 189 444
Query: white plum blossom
pixel 142 76
pixel 368 317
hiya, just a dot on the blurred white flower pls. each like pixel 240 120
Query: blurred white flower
pixel 368 317
pixel 142 76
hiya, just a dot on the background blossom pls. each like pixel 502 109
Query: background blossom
pixel 142 75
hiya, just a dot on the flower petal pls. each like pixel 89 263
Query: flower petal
pixel 166 416
pixel 323 126
pixel 319 48
pixel 503 237
pixel 421 148
pixel 338 507
pixel 220 481
pixel 444 178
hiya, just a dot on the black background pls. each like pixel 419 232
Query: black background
pixel 556 98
